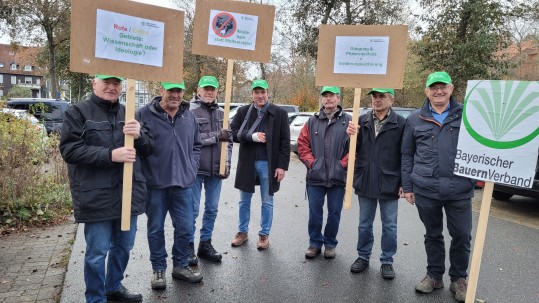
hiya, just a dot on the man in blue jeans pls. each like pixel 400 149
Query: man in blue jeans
pixel 210 123
pixel 377 178
pixel 263 132
pixel 429 148
pixel 92 144
pixel 170 172
pixel 322 148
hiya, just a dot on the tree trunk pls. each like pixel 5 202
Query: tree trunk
pixel 262 70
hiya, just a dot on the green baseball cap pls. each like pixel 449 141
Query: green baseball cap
pixel 259 83
pixel 331 89
pixel 382 90
pixel 436 77
pixel 208 81
pixel 170 85
pixel 105 77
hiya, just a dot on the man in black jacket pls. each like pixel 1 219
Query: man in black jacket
pixel 377 178
pixel 263 132
pixel 210 123
pixel 92 144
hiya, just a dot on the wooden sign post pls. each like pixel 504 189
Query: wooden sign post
pixel 233 30
pixel 128 39
pixel 360 56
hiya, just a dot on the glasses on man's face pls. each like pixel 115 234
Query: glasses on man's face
pixel 435 88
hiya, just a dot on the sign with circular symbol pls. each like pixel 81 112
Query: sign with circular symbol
pixel 224 25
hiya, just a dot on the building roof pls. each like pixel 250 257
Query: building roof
pixel 21 56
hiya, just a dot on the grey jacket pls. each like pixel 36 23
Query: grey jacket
pixel 428 155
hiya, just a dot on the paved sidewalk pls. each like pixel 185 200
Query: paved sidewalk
pixel 33 263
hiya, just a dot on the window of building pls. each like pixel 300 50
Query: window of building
pixel 28 80
pixel 28 68
pixel 1 64
pixel 13 66
pixel 11 53
pixel 13 80
pixel 1 92
pixel 1 78
pixel 38 81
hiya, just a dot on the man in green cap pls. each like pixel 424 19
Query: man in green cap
pixel 263 132
pixel 170 172
pixel 377 178
pixel 210 122
pixel 429 148
pixel 322 148
pixel 92 144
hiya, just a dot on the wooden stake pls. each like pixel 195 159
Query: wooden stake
pixel 128 166
pixel 479 242
pixel 228 97
pixel 352 152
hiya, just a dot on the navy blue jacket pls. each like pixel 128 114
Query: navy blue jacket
pixel 176 154
pixel 90 131
pixel 377 171
pixel 428 155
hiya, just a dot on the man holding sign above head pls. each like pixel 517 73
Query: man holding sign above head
pixel 377 178
pixel 170 172
pixel 263 132
pixel 322 147
pixel 210 122
pixel 429 148
pixel 92 143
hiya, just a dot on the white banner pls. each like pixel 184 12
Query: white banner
pixel 498 139
pixel 232 30
pixel 130 39
pixel 361 55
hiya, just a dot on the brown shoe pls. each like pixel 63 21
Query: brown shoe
pixel 312 252
pixel 263 242
pixel 239 239
pixel 329 252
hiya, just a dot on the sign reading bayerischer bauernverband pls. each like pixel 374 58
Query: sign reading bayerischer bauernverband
pixel 498 138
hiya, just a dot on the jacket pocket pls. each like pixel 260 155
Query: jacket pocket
pixel 338 175
pixel 389 181
pixel 454 132
pixel 97 194
pixel 97 133
pixel 423 177
pixel 359 177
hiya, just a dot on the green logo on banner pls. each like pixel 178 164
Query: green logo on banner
pixel 504 108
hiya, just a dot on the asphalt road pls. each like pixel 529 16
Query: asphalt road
pixel 509 269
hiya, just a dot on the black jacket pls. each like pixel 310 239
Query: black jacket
pixel 90 131
pixel 378 161
pixel 275 122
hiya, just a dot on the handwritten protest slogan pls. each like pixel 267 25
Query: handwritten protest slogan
pixel 361 55
pixel 130 39
pixel 232 30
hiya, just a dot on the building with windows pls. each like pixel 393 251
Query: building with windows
pixel 18 68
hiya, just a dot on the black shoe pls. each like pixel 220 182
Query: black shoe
pixel 193 260
pixel 359 265
pixel 207 252
pixel 387 271
pixel 124 295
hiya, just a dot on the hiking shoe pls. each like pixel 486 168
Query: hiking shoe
pixel 158 280
pixel 263 242
pixel 459 288
pixel 428 284
pixel 186 274
pixel 124 295
pixel 387 271
pixel 359 265
pixel 312 252
pixel 193 260
pixel 239 239
pixel 329 252
pixel 207 252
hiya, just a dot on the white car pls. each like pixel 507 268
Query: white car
pixel 24 115
pixel 295 128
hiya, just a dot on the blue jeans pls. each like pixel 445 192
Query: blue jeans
pixel 261 168
pixel 335 196
pixel 102 238
pixel 459 224
pixel 388 215
pixel 178 202
pixel 212 188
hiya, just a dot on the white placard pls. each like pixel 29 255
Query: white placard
pixel 130 39
pixel 361 55
pixel 498 139
pixel 232 30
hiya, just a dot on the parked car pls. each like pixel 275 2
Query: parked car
pixel 505 192
pixel 401 111
pixel 289 108
pixel 51 114
pixel 295 128
pixel 24 115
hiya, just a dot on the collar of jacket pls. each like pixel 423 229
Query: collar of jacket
pixel 156 108
pixel 369 120
pixel 105 104
pixel 322 115
pixel 201 103
pixel 454 111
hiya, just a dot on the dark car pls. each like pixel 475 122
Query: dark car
pixel 505 192
pixel 289 108
pixel 51 112
pixel 401 111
